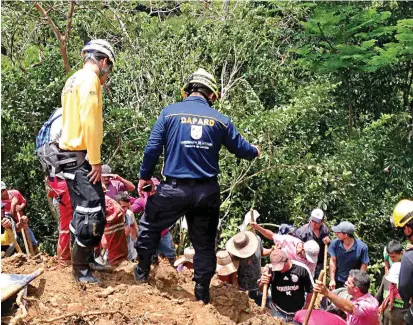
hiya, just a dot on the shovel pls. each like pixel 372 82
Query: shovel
pixel 13 239
pixel 265 289
pixel 313 299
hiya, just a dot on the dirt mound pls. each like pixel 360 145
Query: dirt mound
pixel 54 298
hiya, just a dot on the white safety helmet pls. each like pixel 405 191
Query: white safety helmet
pixel 95 47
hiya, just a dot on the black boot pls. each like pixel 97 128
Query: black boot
pixel 141 270
pixel 202 291
pixel 80 264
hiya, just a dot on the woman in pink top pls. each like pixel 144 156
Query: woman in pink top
pixel 362 309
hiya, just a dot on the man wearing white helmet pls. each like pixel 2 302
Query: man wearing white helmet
pixel 82 135
pixel 191 134
pixel 316 230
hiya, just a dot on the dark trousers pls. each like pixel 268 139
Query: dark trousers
pixel 199 201
pixel 88 221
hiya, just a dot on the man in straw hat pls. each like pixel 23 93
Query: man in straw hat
pixel 247 247
pixel 227 268
pixel 185 261
pixel 289 283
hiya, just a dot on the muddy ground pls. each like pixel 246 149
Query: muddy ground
pixel 54 298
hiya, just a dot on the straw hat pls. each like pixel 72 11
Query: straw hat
pixel 243 244
pixel 188 257
pixel 393 275
pixel 225 264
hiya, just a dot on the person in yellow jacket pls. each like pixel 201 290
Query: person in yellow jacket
pixel 82 134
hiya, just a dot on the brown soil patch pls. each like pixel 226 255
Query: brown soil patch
pixel 167 299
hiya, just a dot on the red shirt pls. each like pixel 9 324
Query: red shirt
pixel 12 194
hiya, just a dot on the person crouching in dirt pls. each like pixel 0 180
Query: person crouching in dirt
pixel 114 237
pixel 186 261
pixel 247 248
pixel 131 227
pixel 227 268
pixel 289 283
pixel 7 222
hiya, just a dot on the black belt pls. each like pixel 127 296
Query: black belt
pixel 190 181
pixel 55 178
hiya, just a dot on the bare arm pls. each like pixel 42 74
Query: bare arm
pixel 128 184
pixel 341 303
pixel 308 300
pixel 333 267
pixel 363 267
pixel 267 251
pixel 265 232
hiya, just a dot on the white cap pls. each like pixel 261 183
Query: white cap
pixel 393 275
pixel 317 215
pixel 3 185
pixel 311 249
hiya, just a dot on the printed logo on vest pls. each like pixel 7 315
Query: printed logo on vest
pixel 196 132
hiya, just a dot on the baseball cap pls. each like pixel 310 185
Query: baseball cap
pixel 3 204
pixel 345 227
pixel 278 258
pixel 317 215
pixel 311 249
pixel 106 171
pixel 3 185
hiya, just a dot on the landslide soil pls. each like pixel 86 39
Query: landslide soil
pixel 54 298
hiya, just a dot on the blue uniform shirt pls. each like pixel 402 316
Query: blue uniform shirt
pixel 192 133
pixel 348 260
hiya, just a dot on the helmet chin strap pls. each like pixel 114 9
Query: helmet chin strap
pixel 102 71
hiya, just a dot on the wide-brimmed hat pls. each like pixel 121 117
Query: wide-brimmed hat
pixel 393 275
pixel 311 249
pixel 106 171
pixel 188 257
pixel 242 245
pixel 225 264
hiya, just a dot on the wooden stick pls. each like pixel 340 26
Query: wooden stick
pixel 313 298
pixel 29 241
pixel 14 241
pixel 26 246
pixel 265 289
pixel 325 263
pixel 252 219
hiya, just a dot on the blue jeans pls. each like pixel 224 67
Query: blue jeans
pixel 276 313
pixel 256 295
pixel 166 246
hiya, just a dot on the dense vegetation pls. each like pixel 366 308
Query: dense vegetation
pixel 325 89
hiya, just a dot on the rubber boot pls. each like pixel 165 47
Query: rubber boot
pixel 141 270
pixel 96 266
pixel 80 264
pixel 202 290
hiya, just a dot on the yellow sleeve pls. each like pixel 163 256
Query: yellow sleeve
pixel 90 102
pixel 5 239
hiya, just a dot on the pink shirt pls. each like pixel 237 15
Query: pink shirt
pixel 114 188
pixel 364 311
pixel 288 244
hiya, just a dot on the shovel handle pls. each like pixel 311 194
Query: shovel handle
pixel 325 263
pixel 265 289
pixel 313 299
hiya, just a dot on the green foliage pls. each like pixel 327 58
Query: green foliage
pixel 291 76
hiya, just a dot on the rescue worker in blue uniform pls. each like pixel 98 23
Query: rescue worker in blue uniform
pixel 191 133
